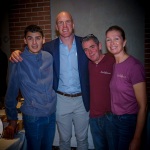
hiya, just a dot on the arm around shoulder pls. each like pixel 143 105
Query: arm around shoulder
pixel 15 56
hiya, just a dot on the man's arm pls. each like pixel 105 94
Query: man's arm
pixel 11 102
pixel 15 56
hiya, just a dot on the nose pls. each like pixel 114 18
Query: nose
pixel 64 24
pixel 34 41
pixel 90 51
pixel 113 42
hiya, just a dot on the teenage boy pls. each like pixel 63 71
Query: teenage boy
pixel 34 78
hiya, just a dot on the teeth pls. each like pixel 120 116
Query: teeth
pixel 113 48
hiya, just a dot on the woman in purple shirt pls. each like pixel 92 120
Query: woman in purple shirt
pixel 128 92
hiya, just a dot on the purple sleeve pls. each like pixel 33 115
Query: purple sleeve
pixel 137 74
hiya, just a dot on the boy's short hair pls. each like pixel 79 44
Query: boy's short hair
pixel 33 28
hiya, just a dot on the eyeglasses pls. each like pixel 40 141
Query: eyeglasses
pixel 86 38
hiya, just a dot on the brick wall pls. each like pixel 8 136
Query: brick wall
pixel 26 12
pixel 147 50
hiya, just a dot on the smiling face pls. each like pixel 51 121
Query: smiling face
pixel 34 40
pixel 115 40
pixel 92 50
pixel 64 24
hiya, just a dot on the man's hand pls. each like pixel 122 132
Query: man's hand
pixel 15 56
pixel 10 130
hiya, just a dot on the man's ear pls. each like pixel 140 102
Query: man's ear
pixel 100 45
pixel 73 26
pixel 25 41
pixel 43 40
pixel 56 27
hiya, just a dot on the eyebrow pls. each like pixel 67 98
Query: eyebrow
pixel 34 36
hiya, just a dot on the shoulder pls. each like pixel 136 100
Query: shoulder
pixel 46 54
pixel 135 69
pixel 51 42
pixel 134 66
pixel 13 66
pixel 78 38
pixel 134 61
pixel 109 57
pixel 51 46
pixel 78 43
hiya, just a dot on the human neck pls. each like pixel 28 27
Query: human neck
pixel 67 40
pixel 101 56
pixel 122 57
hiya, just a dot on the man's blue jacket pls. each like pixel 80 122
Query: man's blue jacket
pixel 53 48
